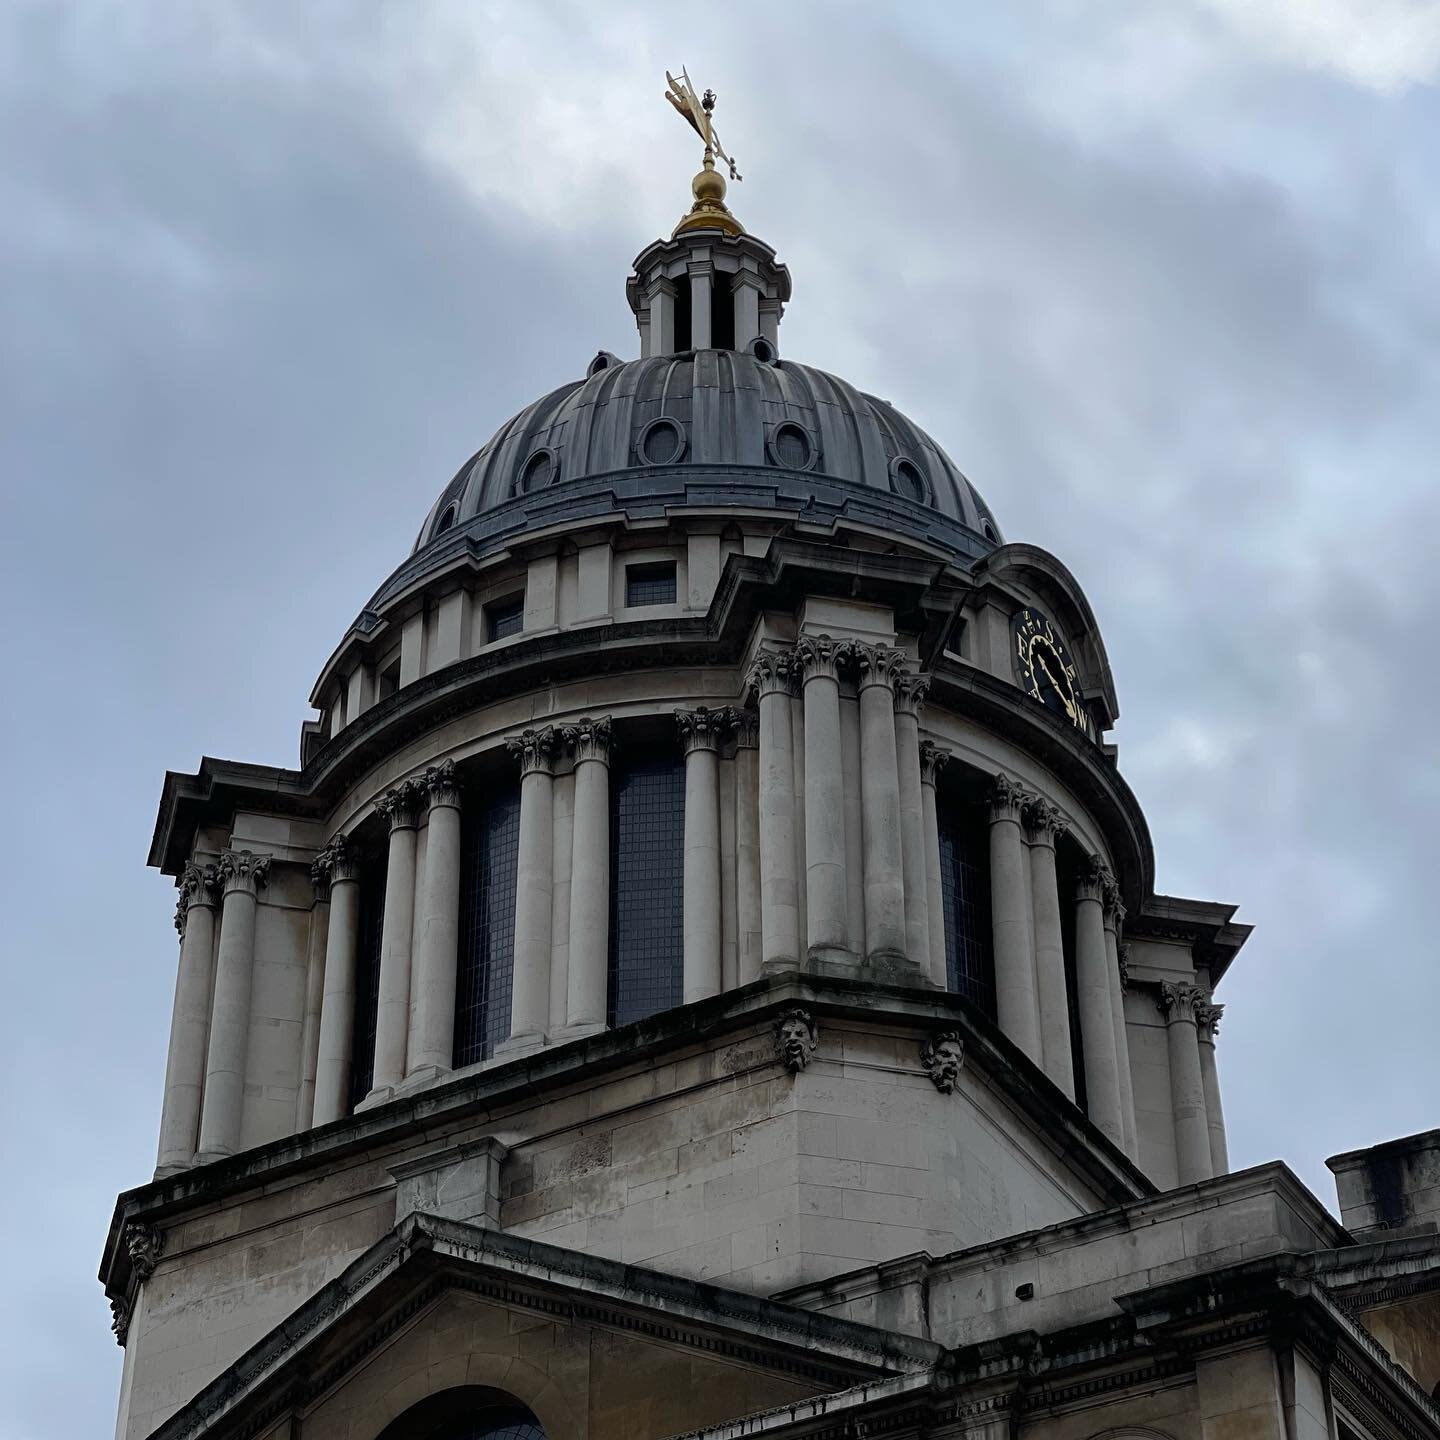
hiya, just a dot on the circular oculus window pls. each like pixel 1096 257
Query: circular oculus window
pixel 791 447
pixel 540 470
pixel 907 481
pixel 662 442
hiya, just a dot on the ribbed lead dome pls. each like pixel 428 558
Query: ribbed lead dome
pixel 709 409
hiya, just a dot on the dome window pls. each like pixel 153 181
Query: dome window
pixel 446 520
pixel 764 351
pixel 908 481
pixel 662 442
pixel 791 447
pixel 603 360
pixel 988 530
pixel 540 470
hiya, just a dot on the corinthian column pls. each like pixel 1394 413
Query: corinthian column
pixel 586 1006
pixel 337 1008
pixel 401 806
pixel 1016 1005
pixel 438 944
pixel 932 761
pixel 910 692
pixel 1114 917
pixel 189 1021
pixel 817 657
pixel 779 897
pixel 1097 1014
pixel 240 875
pixel 749 935
pixel 1207 1023
pixel 1045 825
pixel 534 888
pixel 314 994
pixel 876 668
pixel 700 732
pixel 1178 1003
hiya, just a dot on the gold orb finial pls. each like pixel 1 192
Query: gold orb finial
pixel 709 211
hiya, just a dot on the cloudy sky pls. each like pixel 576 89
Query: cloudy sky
pixel 1161 277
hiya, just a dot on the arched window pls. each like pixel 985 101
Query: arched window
pixel 367 979
pixel 647 849
pixel 965 890
pixel 487 926
pixel 468 1412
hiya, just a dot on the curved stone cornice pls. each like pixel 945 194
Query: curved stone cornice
pixel 589 739
pixel 933 759
pixel 910 692
pixel 1179 1000
pixel 818 657
pixel 401 805
pixel 771 673
pixel 441 785
pixel 702 728
pixel 242 870
pixel 535 750
pixel 1044 823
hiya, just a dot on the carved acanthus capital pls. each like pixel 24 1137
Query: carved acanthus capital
pixel 1008 798
pixel 1207 1021
pixel 535 750
pixel 242 870
pixel 1178 1000
pixel 747 728
pixel 771 673
pixel 1114 905
pixel 336 863
pixel 590 739
pixel 702 728
pixel 910 692
pixel 197 887
pixel 441 785
pixel 143 1243
pixel 817 657
pixel 1093 880
pixel 120 1319
pixel 942 1055
pixel 401 805
pixel 932 761
pixel 796 1037
pixel 874 664
pixel 1044 822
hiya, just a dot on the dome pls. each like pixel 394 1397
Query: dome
pixel 713 412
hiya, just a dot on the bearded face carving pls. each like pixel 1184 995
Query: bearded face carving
pixel 795 1039
pixel 942 1056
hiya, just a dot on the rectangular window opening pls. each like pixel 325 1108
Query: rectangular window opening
pixel 652 584
pixel 504 618
pixel 485 971
pixel 388 681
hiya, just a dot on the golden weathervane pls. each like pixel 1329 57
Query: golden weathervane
pixel 709 211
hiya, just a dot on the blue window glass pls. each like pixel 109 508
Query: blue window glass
pixel 367 980
pixel 505 617
pixel 965 889
pixel 487 926
pixel 650 584
pixel 647 849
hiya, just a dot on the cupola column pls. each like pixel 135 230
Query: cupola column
pixel 401 807
pixel 240 874
pixel 876 669
pixel 817 658
pixel 1207 1024
pixel 1097 1014
pixel 658 333
pixel 1017 1007
pixel 1114 918
pixel 932 761
pixel 1178 1003
pixel 700 732
pixel 779 893
pixel 587 1009
pixel 1044 826
pixel 439 929
pixel 749 943
pixel 702 278
pixel 337 1008
pixel 190 1020
pixel 747 288
pixel 534 888
pixel 910 692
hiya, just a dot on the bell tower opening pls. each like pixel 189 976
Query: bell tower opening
pixel 722 317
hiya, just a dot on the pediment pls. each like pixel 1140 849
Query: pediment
pixel 591 1346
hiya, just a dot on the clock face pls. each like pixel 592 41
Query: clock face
pixel 1045 670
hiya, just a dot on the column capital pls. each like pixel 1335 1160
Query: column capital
pixel 1178 1000
pixel 770 673
pixel 589 738
pixel 197 885
pixel 440 785
pixel 702 728
pixel 1207 1021
pixel 1045 822
pixel 932 761
pixel 1094 879
pixel 242 870
pixel 1122 961
pixel 747 728
pixel 911 689
pixel 401 805
pixel 535 750
pixel 817 657
pixel 336 863
pixel 1114 906
pixel 1008 798
pixel 874 664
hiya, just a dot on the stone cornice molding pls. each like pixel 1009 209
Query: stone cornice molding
pixel 338 862
pixel 702 728
pixel 932 761
pixel 1178 1000
pixel 911 689
pixel 589 739
pixel 874 664
pixel 1093 880
pixel 535 749
pixel 1008 798
pixel 242 871
pixel 747 728
pixel 441 785
pixel 818 657
pixel 1207 1021
pixel 401 805
pixel 771 673
pixel 1044 823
